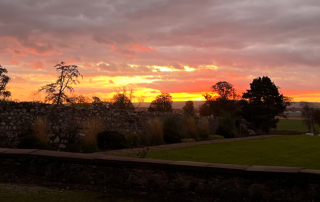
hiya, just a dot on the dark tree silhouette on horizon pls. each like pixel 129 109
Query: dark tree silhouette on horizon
pixel 308 112
pixel 162 103
pixel 222 99
pixel 188 109
pixel 68 75
pixel 123 99
pixel 4 80
pixel 262 103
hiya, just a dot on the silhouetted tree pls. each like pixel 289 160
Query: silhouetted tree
pixel 264 103
pixel 308 110
pixel 162 103
pixel 4 80
pixel 225 90
pixel 205 109
pixel 223 98
pixel 79 101
pixel 316 116
pixel 188 109
pixel 35 96
pixel 97 102
pixel 123 99
pixel 68 75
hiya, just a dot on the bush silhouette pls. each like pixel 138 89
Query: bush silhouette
pixel 171 136
pixel 110 139
pixel 31 142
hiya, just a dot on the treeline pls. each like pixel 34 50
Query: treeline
pixel 255 110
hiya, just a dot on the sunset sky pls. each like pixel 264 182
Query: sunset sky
pixel 181 47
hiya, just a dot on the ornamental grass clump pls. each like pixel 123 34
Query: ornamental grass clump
pixel 203 128
pixel 41 129
pixel 192 129
pixel 90 129
pixel 156 130
pixel 227 127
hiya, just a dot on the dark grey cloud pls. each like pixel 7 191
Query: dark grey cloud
pixel 249 38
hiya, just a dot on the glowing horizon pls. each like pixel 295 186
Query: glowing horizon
pixel 160 46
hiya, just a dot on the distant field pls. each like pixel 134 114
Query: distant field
pixel 294 125
pixel 291 150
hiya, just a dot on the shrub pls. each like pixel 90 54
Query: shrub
pixel 227 127
pixel 90 129
pixel 109 139
pixel 171 122
pixel 143 153
pixel 41 129
pixel 133 139
pixel 203 135
pixel 260 132
pixel 156 129
pixel 204 125
pixel 225 132
pixel 192 129
pixel 31 142
pixel 244 132
pixel 171 136
pixel 188 140
pixel 216 137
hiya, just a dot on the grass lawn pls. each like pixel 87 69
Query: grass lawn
pixel 296 125
pixel 18 193
pixel 292 151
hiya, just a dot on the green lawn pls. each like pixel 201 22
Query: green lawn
pixel 18 193
pixel 295 125
pixel 293 151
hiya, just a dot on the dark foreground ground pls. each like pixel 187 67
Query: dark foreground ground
pixel 30 190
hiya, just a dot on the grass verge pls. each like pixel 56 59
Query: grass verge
pixel 292 151
pixel 294 125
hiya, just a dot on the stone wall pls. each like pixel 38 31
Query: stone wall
pixel 16 118
pixel 215 182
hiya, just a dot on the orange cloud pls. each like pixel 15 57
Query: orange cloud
pixel 41 51
pixel 18 79
pixel 140 47
pixel 14 62
pixel 15 52
pixel 232 75
pixel 37 65
pixel 19 53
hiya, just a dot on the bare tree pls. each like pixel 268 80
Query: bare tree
pixel 308 109
pixel 35 96
pixel 68 75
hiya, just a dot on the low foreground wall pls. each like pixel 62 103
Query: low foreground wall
pixel 221 182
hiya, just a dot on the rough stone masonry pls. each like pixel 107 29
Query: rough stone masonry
pixel 16 119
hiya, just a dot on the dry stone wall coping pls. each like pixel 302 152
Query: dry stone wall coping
pixel 98 159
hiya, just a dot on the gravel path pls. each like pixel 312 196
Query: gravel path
pixel 178 145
